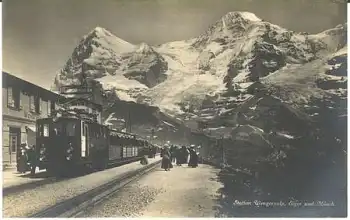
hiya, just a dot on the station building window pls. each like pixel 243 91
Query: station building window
pixel 13 98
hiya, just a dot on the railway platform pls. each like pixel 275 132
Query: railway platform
pixel 50 191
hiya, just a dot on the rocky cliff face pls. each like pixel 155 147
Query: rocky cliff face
pixel 146 66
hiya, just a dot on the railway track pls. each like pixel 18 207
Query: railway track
pixel 74 206
pixel 52 179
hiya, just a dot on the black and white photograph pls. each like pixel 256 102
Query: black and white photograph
pixel 174 108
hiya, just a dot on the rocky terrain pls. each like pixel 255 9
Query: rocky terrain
pixel 275 98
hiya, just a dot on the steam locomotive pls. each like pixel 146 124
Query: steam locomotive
pixel 68 144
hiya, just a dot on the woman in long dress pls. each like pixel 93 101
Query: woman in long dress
pixel 178 156
pixel 166 162
pixel 193 162
pixel 22 160
pixel 184 155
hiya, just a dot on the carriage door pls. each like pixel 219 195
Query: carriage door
pixel 84 139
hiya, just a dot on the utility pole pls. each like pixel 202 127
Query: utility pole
pixel 223 151
pixel 165 136
pixel 128 122
pixel 152 135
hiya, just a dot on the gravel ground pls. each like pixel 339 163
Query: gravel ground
pixel 30 201
pixel 13 178
pixel 181 192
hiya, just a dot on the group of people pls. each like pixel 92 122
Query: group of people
pixel 178 155
pixel 27 159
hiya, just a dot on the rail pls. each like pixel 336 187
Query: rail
pixel 74 206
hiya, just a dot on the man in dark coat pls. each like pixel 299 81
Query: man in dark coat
pixel 193 162
pixel 166 162
pixel 33 156
pixel 178 156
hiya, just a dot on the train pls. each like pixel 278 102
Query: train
pixel 68 144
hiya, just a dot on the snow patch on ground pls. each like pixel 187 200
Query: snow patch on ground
pixel 215 48
pixel 120 82
pixel 189 88
pixel 342 51
pixel 124 88
pixel 111 118
pixel 168 124
pixel 285 135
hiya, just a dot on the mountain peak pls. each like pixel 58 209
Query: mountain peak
pixel 99 29
pixel 100 32
pixel 241 15
pixel 238 20
pixel 145 48
pixel 230 26
pixel 101 37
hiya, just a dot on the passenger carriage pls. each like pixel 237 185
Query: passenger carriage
pixel 72 144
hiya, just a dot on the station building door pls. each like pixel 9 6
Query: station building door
pixel 14 144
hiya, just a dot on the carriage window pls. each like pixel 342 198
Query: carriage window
pixel 46 130
pixel 70 129
pixel 40 130
pixel 83 129
pixel 57 129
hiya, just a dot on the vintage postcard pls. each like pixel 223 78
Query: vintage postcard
pixel 174 108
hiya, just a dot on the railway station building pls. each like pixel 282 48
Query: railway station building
pixel 23 103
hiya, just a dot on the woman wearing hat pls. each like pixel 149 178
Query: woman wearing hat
pixel 166 162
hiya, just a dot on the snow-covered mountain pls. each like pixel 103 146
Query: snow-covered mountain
pixel 277 97
pixel 202 79
pixel 97 54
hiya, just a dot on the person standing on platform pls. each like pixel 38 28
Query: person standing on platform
pixel 154 152
pixel 22 160
pixel 184 155
pixel 193 162
pixel 178 156
pixel 166 162
pixel 33 156
pixel 172 153
pixel 162 152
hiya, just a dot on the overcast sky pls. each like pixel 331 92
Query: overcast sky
pixel 40 35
